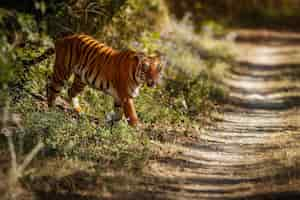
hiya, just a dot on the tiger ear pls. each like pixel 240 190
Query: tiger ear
pixel 159 67
pixel 161 57
pixel 158 54
pixel 140 57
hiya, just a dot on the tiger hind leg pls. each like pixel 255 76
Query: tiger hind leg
pixel 59 76
pixel 77 87
pixel 53 89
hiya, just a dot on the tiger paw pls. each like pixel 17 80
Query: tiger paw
pixel 133 122
pixel 75 104
pixel 78 109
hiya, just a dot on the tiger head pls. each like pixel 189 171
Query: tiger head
pixel 151 68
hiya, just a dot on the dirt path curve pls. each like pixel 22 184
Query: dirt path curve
pixel 253 150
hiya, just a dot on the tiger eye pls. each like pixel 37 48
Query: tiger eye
pixel 146 66
pixel 159 67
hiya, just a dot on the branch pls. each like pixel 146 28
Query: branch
pixel 30 156
pixel 12 154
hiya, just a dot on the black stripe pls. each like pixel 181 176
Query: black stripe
pixel 120 57
pixel 92 47
pixel 87 44
pixel 86 77
pixel 92 53
pixel 84 59
pixel 100 67
pixel 106 57
pixel 53 89
pixel 97 74
pixel 117 105
pixel 81 58
pixel 70 59
pixel 89 73
pixel 126 54
pixel 133 75
pixel 93 61
pixel 101 46
pixel 92 68
pixel 77 48
pixel 94 81
pixel 80 68
pixel 103 52
pixel 81 51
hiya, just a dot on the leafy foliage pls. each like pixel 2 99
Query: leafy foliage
pixel 87 16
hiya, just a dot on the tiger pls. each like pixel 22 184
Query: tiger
pixel 118 73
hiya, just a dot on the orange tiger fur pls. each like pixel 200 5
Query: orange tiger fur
pixel 117 73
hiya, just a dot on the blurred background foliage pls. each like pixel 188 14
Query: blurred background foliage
pixel 279 14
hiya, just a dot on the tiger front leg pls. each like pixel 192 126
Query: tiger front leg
pixel 52 90
pixel 130 113
pixel 76 88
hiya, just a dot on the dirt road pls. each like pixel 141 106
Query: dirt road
pixel 252 151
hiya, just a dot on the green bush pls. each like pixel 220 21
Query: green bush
pixel 192 95
pixel 134 19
